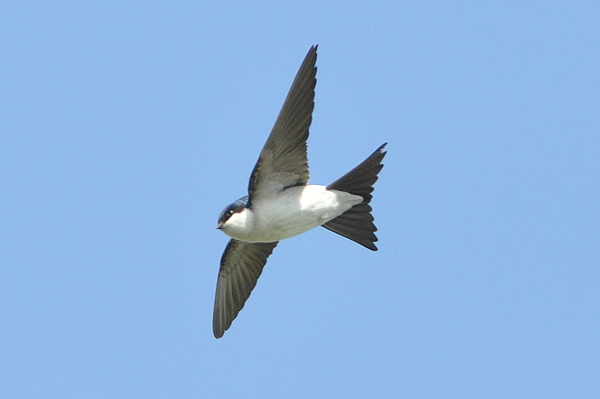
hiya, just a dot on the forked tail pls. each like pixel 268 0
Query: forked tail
pixel 357 222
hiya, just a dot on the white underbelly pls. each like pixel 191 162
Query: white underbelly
pixel 294 211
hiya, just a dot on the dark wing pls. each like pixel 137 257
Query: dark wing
pixel 283 161
pixel 241 265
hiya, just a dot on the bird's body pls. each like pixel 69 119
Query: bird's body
pixel 289 212
pixel 280 204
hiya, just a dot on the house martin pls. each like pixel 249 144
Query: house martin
pixel 281 204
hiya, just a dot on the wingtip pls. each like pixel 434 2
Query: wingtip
pixel 218 330
pixel 218 334
pixel 381 151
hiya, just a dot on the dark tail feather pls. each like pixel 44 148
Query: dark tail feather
pixel 357 222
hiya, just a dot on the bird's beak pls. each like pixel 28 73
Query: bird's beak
pixel 220 226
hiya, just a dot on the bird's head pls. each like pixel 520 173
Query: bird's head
pixel 228 213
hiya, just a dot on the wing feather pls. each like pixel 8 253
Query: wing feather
pixel 283 161
pixel 241 265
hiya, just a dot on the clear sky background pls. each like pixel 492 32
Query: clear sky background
pixel 126 127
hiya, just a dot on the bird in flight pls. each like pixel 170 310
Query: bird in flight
pixel 281 204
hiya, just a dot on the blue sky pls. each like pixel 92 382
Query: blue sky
pixel 126 127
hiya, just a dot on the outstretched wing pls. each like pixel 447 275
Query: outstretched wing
pixel 283 161
pixel 241 265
